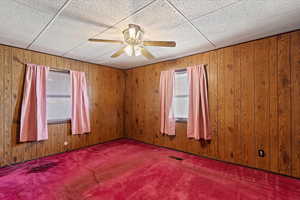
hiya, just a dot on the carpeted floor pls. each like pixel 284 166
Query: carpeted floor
pixel 127 169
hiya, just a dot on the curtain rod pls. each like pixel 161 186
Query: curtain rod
pixel 59 70
pixel 184 69
pixel 51 68
pixel 181 70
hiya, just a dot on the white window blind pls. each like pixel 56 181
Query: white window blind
pixel 58 97
pixel 181 96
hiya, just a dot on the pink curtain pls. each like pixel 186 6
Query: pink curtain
pixel 80 104
pixel 198 126
pixel 167 125
pixel 34 108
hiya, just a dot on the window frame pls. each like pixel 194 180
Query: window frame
pixel 180 119
pixel 58 121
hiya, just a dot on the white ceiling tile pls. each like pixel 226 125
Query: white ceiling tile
pixel 194 9
pixel 250 19
pixel 45 6
pixel 83 19
pixel 125 62
pixel 95 50
pixel 187 40
pixel 20 24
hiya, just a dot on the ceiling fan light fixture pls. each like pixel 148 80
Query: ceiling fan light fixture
pixel 134 43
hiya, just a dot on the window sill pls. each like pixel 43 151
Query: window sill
pixel 58 121
pixel 181 120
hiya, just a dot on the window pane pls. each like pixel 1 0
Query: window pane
pixel 58 83
pixel 58 108
pixel 181 84
pixel 181 107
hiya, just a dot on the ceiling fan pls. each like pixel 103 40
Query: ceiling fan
pixel 134 43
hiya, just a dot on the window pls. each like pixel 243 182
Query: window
pixel 181 96
pixel 58 97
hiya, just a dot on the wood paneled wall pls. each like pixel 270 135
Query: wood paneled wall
pixel 254 100
pixel 106 92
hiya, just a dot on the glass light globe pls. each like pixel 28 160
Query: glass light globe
pixel 133 50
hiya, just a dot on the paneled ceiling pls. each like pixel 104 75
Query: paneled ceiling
pixel 62 27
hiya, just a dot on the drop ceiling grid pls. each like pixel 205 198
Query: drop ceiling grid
pixel 81 20
pixel 92 50
pixel 224 22
pixel 189 4
pixel 250 19
pixel 44 6
pixel 173 27
pixel 95 51
pixel 21 23
pixel 195 9
pixel 220 10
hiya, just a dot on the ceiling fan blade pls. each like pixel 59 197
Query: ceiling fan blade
pixel 109 41
pixel 160 43
pixel 146 53
pixel 119 52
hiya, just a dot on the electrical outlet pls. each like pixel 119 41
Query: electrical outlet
pixel 261 153
pixel 66 143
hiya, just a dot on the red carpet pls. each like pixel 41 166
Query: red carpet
pixel 126 169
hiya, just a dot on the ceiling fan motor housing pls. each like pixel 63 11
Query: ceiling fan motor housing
pixel 133 35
